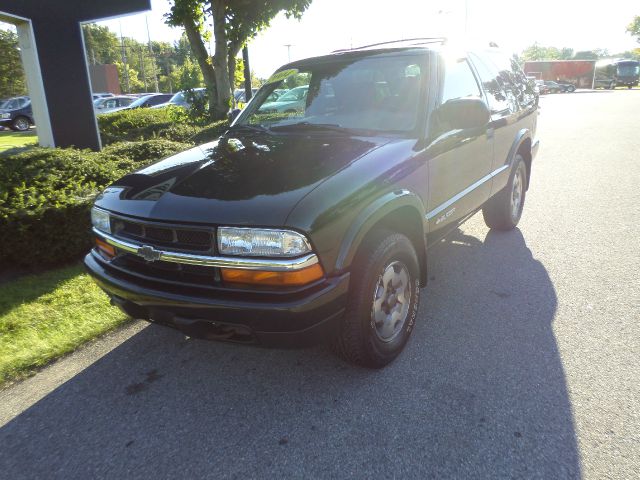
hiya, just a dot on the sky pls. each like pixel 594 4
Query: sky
pixel 332 24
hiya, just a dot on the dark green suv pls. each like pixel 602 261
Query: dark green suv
pixel 314 222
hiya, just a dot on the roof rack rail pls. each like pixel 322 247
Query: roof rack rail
pixel 418 39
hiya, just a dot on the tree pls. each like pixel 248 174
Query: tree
pixel 566 53
pixel 538 52
pixel 591 54
pixel 634 28
pixel 12 80
pixel 234 23
pixel 101 44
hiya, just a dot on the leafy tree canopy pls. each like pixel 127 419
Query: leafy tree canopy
pixel 235 22
pixel 12 80
pixel 634 28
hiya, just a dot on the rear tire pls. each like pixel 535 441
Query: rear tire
pixel 383 301
pixel 504 209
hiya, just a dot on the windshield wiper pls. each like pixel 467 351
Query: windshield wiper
pixel 333 127
pixel 252 128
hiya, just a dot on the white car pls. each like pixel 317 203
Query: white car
pixel 109 104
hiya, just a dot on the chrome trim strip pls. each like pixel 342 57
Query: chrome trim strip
pixel 243 263
pixel 464 192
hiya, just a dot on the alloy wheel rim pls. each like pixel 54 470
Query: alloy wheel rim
pixel 22 124
pixel 391 300
pixel 516 194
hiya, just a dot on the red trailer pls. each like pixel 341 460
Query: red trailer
pixel 577 72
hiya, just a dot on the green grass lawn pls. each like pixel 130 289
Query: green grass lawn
pixel 47 315
pixel 10 139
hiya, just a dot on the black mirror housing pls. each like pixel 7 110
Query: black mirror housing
pixel 463 113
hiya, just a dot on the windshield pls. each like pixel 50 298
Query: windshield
pixel 381 94
pixel 178 99
pixel 139 102
pixel 628 70
pixel 184 98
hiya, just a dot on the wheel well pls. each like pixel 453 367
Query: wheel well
pixel 525 150
pixel 407 220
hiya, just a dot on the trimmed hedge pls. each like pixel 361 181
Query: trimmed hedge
pixel 46 195
pixel 152 123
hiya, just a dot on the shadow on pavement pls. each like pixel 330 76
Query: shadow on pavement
pixel 479 393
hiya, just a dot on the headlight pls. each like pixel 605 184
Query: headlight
pixel 257 242
pixel 5 115
pixel 100 220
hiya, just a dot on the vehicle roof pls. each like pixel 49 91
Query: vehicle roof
pixel 411 45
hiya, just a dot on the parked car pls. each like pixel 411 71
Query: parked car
pixel 293 100
pixel 542 88
pixel 317 223
pixel 146 101
pixel 181 99
pixel 102 95
pixel 110 104
pixel 239 95
pixel 16 114
pixel 555 87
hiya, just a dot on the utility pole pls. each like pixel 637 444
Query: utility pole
pixel 144 77
pixel 153 60
pixel 289 45
pixel 124 61
pixel 466 17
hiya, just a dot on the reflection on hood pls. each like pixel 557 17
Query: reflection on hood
pixel 247 165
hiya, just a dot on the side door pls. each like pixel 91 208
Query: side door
pixel 459 159
pixel 512 108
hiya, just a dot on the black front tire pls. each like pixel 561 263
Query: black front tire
pixel 360 339
pixel 20 124
pixel 502 212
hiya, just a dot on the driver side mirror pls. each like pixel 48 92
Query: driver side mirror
pixel 464 113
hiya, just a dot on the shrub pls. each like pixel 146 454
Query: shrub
pixel 46 195
pixel 113 126
pixel 210 133
pixel 145 151
pixel 171 123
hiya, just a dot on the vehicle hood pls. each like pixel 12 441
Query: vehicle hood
pixel 279 105
pixel 113 110
pixel 252 178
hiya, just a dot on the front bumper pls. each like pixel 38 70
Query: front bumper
pixel 270 319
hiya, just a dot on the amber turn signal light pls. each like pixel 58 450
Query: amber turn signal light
pixel 260 277
pixel 105 248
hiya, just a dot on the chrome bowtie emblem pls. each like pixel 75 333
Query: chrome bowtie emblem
pixel 149 253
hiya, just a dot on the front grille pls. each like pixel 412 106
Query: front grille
pixel 174 238
pixel 168 271
pixel 185 239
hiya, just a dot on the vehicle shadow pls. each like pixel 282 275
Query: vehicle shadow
pixel 479 393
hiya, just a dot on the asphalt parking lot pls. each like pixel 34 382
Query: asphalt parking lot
pixel 524 362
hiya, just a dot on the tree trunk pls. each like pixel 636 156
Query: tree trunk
pixel 232 71
pixel 222 102
pixel 234 49
pixel 204 62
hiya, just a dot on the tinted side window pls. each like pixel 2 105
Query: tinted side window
pixel 459 81
pixel 493 83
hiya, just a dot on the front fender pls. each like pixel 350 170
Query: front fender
pixel 372 215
